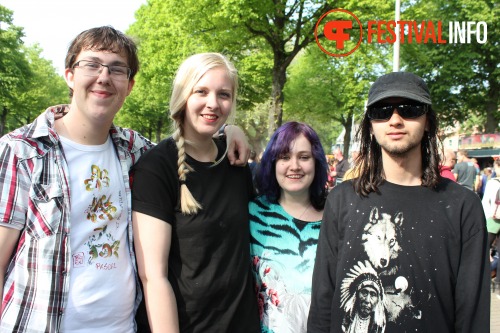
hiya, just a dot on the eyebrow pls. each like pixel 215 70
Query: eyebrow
pixel 99 60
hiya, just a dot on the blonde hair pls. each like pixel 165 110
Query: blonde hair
pixel 188 75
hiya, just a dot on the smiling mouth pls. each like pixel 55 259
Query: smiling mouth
pixel 294 176
pixel 209 117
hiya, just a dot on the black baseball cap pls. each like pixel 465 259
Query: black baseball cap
pixel 399 84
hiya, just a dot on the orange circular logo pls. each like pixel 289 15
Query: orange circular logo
pixel 335 34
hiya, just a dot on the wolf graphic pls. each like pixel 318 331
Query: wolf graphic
pixel 382 244
pixel 380 240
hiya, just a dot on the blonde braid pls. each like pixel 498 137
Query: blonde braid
pixel 189 205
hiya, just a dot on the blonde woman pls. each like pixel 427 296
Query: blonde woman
pixel 190 212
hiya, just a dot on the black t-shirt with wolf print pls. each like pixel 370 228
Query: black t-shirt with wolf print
pixel 406 259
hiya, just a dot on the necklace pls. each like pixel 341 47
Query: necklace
pixel 305 210
pixel 362 324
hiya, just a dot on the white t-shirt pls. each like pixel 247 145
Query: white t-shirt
pixel 102 283
pixel 490 195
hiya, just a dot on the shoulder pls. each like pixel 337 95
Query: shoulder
pixel 260 201
pixel 165 151
pixel 129 139
pixel 220 142
pixel 493 184
pixel 346 188
pixel 34 139
pixel 262 204
pixel 449 187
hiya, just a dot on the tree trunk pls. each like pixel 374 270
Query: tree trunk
pixel 3 120
pixel 347 135
pixel 492 107
pixel 159 125
pixel 277 97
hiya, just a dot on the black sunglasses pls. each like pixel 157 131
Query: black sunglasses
pixel 407 111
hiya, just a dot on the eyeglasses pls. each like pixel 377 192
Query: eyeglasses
pixel 92 68
pixel 407 111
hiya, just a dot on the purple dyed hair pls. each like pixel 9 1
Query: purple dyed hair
pixel 279 144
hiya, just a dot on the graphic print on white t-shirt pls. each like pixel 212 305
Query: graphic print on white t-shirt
pixel 102 210
pixel 101 276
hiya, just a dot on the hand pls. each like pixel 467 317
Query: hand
pixel 238 150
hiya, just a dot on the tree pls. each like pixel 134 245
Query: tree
pixel 14 69
pixel 287 27
pixel 162 47
pixel 43 88
pixel 169 31
pixel 327 92
pixel 464 78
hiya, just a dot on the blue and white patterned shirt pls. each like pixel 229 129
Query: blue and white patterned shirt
pixel 282 250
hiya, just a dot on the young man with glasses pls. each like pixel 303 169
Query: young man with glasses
pixel 424 235
pixel 66 250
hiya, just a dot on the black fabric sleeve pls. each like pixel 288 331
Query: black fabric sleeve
pixel 472 291
pixel 155 187
pixel 323 282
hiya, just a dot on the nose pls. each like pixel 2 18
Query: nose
pixel 395 118
pixel 212 101
pixel 295 163
pixel 104 72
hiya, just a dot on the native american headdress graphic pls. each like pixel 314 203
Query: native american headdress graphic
pixel 360 276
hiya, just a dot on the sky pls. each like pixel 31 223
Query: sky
pixel 54 23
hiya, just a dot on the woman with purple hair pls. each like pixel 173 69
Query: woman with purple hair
pixel 284 225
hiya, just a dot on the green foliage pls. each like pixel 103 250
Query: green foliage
pixel 28 83
pixel 272 45
pixel 43 88
pixel 464 78
pixel 14 68
pixel 328 92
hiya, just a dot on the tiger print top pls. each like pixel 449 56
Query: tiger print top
pixel 282 250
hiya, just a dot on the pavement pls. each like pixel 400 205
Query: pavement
pixel 495 313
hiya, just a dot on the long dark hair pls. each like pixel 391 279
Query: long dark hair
pixel 266 181
pixel 369 161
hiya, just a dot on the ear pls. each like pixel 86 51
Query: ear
pixel 69 76
pixel 130 86
pixel 398 220
pixel 374 216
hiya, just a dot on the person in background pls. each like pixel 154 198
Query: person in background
pixel 493 225
pixel 332 162
pixel 464 170
pixel 354 156
pixel 190 211
pixel 484 177
pixel 341 167
pixel 284 226
pixel 65 231
pixel 253 164
pixel 447 165
pixel 477 180
pixel 353 172
pixel 424 235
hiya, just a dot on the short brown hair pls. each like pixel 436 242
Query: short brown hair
pixel 107 39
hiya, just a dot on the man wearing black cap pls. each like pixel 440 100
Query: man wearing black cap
pixel 424 235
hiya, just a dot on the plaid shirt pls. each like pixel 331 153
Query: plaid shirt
pixel 35 199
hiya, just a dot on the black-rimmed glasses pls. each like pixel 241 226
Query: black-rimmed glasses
pixel 93 68
pixel 406 111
